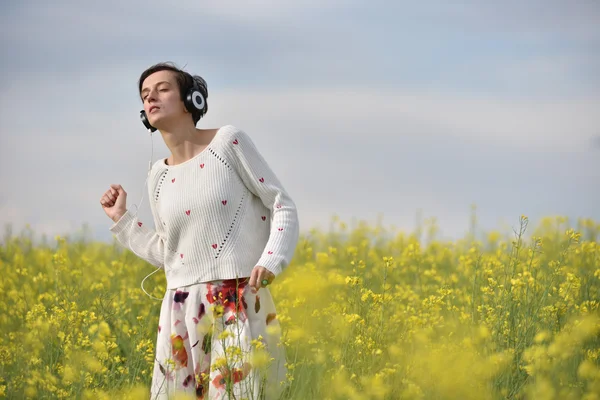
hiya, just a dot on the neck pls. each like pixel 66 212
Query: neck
pixel 183 141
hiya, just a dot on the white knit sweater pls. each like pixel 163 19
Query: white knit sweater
pixel 216 216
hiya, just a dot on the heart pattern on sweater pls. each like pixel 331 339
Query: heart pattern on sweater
pixel 201 165
pixel 270 252
pixel 139 224
pixel 173 180
pixel 280 229
pixel 262 180
pixel 278 205
pixel 264 217
pixel 187 212
pixel 181 255
pixel 235 141
pixel 224 202
pixel 214 246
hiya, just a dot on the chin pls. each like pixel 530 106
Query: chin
pixel 163 121
pixel 156 122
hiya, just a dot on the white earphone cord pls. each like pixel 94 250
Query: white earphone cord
pixel 134 220
pixel 199 106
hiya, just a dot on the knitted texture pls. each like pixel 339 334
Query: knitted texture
pixel 216 215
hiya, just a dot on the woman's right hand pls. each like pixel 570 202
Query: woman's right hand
pixel 114 202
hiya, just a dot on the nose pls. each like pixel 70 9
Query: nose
pixel 151 96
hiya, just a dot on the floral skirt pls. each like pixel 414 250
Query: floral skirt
pixel 219 340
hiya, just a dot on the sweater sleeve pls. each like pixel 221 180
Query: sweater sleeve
pixel 263 183
pixel 143 241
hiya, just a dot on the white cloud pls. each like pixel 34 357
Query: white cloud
pixel 147 19
pixel 532 20
pixel 532 124
pixel 354 152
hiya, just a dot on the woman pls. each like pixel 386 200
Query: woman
pixel 224 229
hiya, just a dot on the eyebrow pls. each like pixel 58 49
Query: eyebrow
pixel 146 89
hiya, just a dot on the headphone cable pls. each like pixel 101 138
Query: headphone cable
pixel 134 220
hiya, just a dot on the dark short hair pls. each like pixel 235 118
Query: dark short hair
pixel 185 81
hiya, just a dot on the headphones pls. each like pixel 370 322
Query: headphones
pixel 193 101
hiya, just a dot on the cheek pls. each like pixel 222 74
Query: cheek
pixel 175 104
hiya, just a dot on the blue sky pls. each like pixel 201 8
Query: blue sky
pixel 361 108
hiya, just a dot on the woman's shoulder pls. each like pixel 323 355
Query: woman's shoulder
pixel 156 170
pixel 229 131
pixel 158 166
pixel 231 135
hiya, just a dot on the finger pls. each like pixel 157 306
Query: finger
pixel 252 281
pixel 259 278
pixel 264 276
pixel 260 275
pixel 117 187
pixel 108 201
pixel 270 276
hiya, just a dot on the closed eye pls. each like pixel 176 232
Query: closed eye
pixel 161 90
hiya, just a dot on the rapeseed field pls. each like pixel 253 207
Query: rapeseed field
pixel 365 312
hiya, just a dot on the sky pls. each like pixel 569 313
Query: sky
pixel 378 110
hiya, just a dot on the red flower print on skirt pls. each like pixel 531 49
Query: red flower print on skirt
pixel 179 353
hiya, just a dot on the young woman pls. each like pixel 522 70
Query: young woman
pixel 225 227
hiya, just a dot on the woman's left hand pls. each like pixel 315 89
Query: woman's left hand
pixel 258 275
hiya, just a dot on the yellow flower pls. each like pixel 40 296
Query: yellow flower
pixel 260 359
pixel 30 392
pixel 103 329
pixel 225 334
pixel 541 336
pixel 219 363
pixel 588 370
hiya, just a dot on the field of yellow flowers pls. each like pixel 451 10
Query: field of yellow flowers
pixel 366 313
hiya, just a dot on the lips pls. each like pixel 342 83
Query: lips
pixel 152 109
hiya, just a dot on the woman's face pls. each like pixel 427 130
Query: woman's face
pixel 162 101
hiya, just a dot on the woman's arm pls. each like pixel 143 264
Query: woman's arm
pixel 262 182
pixel 146 243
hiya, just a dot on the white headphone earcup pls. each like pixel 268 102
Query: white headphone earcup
pixel 198 100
